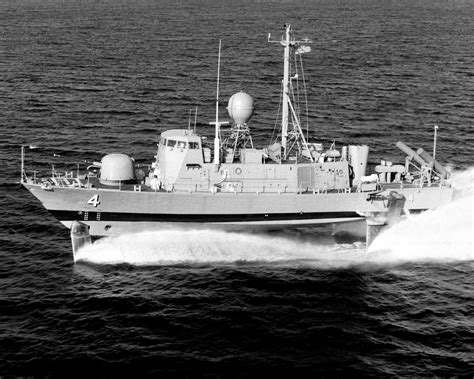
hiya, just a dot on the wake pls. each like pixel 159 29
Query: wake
pixel 172 247
pixel 443 234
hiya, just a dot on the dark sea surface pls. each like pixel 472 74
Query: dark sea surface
pixel 85 78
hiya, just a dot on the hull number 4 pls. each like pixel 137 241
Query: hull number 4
pixel 94 200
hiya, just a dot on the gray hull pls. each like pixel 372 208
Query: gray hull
pixel 111 211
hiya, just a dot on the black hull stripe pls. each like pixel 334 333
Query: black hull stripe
pixel 196 218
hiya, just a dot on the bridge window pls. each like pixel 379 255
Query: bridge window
pixel 171 143
pixel 194 145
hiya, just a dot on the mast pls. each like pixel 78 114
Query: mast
pixel 286 79
pixel 297 133
pixel 217 143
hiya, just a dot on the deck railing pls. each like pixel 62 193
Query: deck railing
pixel 68 179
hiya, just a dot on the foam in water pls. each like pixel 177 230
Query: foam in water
pixel 440 234
pixel 209 246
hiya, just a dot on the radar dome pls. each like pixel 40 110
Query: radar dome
pixel 116 168
pixel 240 107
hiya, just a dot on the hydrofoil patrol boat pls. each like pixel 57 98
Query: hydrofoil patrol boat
pixel 234 185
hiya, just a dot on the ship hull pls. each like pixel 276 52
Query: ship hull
pixel 112 212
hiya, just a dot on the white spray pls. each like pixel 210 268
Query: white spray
pixel 438 235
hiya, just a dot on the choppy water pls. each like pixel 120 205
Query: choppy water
pixel 87 78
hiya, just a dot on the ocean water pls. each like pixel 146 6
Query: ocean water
pixel 86 78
